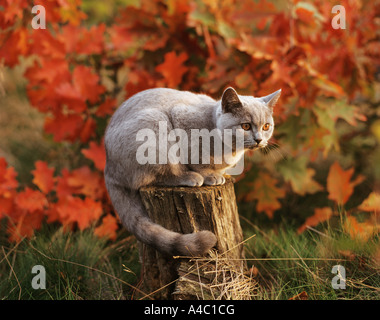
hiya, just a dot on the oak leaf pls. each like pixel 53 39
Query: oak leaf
pixel 339 186
pixel 25 225
pixel 31 200
pixel 43 176
pixel 64 127
pixel 107 228
pixel 360 230
pixel 266 193
pixel 106 108
pixel 8 180
pixel 76 210
pixel 172 68
pixel 87 83
pixel 86 182
pixel 97 154
pixel 88 129
pixel 300 177
pixel 320 215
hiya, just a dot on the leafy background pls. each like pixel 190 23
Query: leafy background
pixel 323 162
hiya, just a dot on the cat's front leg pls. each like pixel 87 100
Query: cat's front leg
pixel 214 179
pixel 186 179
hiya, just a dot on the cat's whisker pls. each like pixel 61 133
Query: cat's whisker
pixel 274 151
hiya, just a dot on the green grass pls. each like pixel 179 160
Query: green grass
pixel 81 266
pixel 289 264
pixel 78 265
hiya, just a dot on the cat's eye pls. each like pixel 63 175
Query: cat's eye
pixel 266 127
pixel 246 126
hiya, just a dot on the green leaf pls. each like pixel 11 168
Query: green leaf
pixel 295 171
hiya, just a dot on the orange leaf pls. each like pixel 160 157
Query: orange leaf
pixel 172 68
pixel 43 176
pixel 80 40
pixel 8 180
pixel 266 193
pixel 86 81
pixel 305 15
pixel 107 107
pixel 86 182
pixel 88 129
pixel 25 225
pixel 76 210
pixel 97 154
pixel 63 188
pixel 6 206
pixel 301 296
pixel 81 181
pixel 12 45
pixel 69 94
pixel 64 127
pixel 31 200
pixel 360 230
pixel 107 228
pixel 372 203
pixel 339 186
pixel 320 215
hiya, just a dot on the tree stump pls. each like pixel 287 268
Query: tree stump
pixel 187 210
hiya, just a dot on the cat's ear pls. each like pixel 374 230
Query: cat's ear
pixel 271 99
pixel 230 101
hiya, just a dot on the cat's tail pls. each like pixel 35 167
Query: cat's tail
pixel 129 206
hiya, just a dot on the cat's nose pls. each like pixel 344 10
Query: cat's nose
pixel 258 141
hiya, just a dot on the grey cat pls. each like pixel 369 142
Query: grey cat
pixel 124 175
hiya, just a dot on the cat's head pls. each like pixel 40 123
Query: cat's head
pixel 253 115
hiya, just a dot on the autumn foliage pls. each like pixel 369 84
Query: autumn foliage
pixel 79 73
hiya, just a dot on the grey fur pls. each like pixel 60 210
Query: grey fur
pixel 183 110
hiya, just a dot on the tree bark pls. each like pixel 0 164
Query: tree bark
pixel 187 210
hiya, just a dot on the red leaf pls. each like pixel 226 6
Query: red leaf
pixel 320 215
pixel 81 181
pixel 107 228
pixel 84 181
pixel 86 82
pixel 31 200
pixel 64 127
pixel 339 186
pixel 79 40
pixel 88 130
pixel 305 15
pixel 43 176
pixel 24 226
pixel 12 45
pixel 6 206
pixel 97 154
pixel 106 108
pixel 68 94
pixel 76 210
pixel 8 180
pixel 173 69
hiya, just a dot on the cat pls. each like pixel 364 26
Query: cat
pixel 184 110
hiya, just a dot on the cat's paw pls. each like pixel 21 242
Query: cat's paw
pixel 191 179
pixel 214 180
